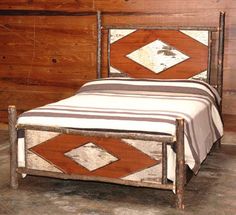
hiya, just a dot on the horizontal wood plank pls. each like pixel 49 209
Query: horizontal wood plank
pixel 45 59
pixel 159 6
pixel 69 5
pixel 22 101
pixel 163 19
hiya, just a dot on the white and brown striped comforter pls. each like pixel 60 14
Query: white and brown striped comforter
pixel 140 105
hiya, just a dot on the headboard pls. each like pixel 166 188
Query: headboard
pixel 162 52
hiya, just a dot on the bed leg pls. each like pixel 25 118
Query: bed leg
pixel 180 164
pixel 12 117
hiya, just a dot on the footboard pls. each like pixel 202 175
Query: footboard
pixel 137 159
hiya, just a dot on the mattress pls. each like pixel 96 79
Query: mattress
pixel 140 105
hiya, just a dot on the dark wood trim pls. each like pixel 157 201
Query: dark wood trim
pixel 12 118
pixel 109 52
pixel 209 57
pixel 220 60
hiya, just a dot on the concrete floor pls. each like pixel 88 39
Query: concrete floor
pixel 212 191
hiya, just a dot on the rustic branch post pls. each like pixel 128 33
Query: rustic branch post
pixel 220 63
pixel 12 117
pixel 180 164
pixel 99 44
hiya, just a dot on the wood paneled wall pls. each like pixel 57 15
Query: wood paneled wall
pixel 46 58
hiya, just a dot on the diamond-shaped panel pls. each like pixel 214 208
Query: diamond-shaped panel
pixel 61 151
pixel 188 58
pixel 157 56
pixel 91 156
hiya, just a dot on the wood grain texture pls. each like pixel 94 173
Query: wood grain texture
pixel 230 122
pixel 56 55
pixel 69 5
pixel 158 5
pixel 196 52
pixel 44 59
pixel 26 99
pixel 117 5
pixel 173 18
pixel 129 158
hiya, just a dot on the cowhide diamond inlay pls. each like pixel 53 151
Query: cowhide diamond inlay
pixel 91 156
pixel 157 56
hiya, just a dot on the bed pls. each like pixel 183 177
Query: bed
pixel 144 125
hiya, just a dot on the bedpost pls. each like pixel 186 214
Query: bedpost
pixel 12 117
pixel 220 62
pixel 209 78
pixel 99 44
pixel 180 163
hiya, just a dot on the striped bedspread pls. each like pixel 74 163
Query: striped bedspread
pixel 142 105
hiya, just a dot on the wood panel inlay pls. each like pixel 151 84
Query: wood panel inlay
pixel 130 159
pixel 196 51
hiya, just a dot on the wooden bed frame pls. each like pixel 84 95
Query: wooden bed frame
pixel 176 140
